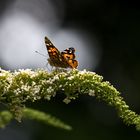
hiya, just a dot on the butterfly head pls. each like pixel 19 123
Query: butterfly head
pixel 70 50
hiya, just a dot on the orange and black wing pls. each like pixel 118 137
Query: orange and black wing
pixel 53 52
pixel 72 63
pixel 69 56
pixel 68 53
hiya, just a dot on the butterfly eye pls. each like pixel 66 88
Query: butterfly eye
pixel 71 50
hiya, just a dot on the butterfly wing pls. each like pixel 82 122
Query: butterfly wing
pixel 69 56
pixel 72 63
pixel 54 54
pixel 52 50
pixel 55 57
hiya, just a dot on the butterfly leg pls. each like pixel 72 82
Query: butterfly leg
pixel 47 66
pixel 52 68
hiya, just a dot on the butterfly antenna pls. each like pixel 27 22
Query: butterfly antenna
pixel 40 53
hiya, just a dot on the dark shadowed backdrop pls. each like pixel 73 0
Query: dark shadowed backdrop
pixel 105 35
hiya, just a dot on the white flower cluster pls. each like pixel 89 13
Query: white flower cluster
pixel 43 84
pixel 26 72
pixel 91 93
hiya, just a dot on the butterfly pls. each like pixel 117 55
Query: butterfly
pixel 64 59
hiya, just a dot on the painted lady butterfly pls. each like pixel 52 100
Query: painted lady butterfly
pixel 65 59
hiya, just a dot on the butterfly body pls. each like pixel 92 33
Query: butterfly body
pixel 65 59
